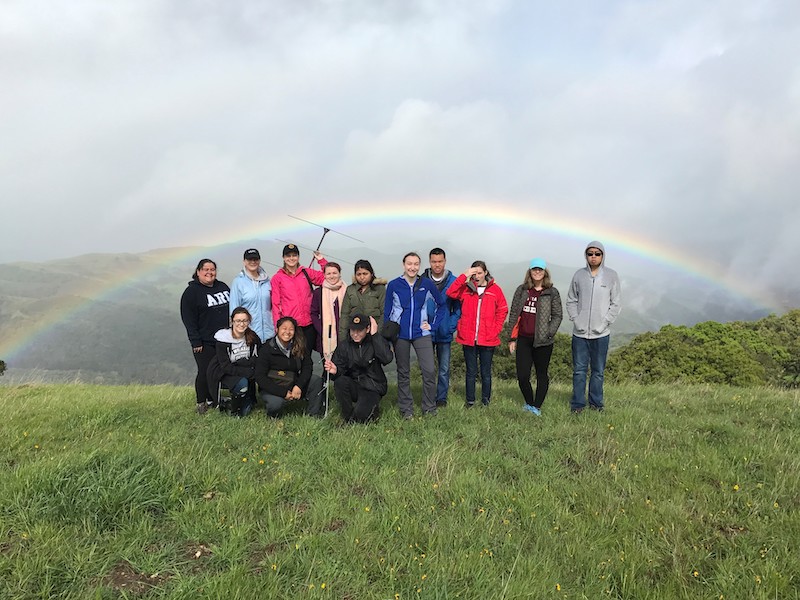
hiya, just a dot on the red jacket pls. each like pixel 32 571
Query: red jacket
pixel 482 316
pixel 291 294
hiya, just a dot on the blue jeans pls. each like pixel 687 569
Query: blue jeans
pixel 588 354
pixel 442 351
pixel 484 354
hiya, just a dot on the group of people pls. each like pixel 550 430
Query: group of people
pixel 262 330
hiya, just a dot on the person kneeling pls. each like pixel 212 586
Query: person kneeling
pixel 357 370
pixel 283 371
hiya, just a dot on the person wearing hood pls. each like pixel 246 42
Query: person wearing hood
pixel 593 304
pixel 252 289
pixel 356 368
pixel 292 287
pixel 365 296
pixel 442 337
pixel 235 362
pixel 204 311
pixel 483 312
pixel 326 305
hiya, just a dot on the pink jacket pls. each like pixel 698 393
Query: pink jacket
pixel 291 294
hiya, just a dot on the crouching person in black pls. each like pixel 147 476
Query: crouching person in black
pixel 357 370
pixel 283 371
pixel 234 363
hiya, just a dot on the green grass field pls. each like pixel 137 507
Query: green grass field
pixel 673 492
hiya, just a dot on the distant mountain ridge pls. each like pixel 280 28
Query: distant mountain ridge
pixel 113 318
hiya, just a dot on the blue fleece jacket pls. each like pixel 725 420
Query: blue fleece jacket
pixel 408 305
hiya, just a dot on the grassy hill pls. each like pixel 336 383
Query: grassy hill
pixel 673 492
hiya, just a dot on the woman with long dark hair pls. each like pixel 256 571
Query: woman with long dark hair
pixel 534 319
pixel 234 365
pixel 364 296
pixel 204 311
pixel 483 312
pixel 284 371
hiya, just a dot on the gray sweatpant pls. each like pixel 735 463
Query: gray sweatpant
pixel 423 347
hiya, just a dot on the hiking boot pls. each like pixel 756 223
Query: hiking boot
pixel 202 408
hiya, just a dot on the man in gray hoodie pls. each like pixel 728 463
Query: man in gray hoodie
pixel 593 303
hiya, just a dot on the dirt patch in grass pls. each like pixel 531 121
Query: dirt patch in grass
pixel 123 577
pixel 334 525
pixel 198 555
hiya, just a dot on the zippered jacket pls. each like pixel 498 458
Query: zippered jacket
pixel 482 315
pixel 443 334
pixel 364 362
pixel 270 357
pixel 256 296
pixel 593 302
pixel 225 362
pixel 291 293
pixel 408 305
pixel 549 315
pixel 369 303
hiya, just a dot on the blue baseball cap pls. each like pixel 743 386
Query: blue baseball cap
pixel 538 263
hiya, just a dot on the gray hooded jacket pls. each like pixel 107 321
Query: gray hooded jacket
pixel 593 302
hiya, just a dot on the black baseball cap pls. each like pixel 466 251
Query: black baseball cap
pixel 290 249
pixel 359 321
pixel 252 254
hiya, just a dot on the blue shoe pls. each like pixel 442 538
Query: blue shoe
pixel 532 409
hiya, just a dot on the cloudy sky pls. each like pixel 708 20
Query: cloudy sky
pixel 139 124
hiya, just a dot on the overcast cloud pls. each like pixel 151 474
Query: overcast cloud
pixel 136 124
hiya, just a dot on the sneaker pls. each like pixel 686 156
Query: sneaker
pixel 441 403
pixel 485 402
pixel 532 409
pixel 431 413
pixel 469 404
pixel 202 408
pixel 408 417
pixel 597 408
pixel 577 411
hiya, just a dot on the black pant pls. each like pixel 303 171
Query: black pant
pixel 357 404
pixel 201 381
pixel 539 358
pixel 310 335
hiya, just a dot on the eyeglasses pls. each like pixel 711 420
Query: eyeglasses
pixel 241 321
pixel 594 254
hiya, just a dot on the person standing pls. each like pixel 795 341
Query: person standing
pixel 292 287
pixel 593 304
pixel 442 337
pixel 364 296
pixel 204 311
pixel 483 312
pixel 252 289
pixel 326 304
pixel 357 370
pixel 407 305
pixel 534 319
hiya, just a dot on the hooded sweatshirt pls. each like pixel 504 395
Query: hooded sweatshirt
pixel 593 301
pixel 204 311
pixel 256 296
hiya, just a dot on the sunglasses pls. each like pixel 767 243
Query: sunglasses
pixel 594 254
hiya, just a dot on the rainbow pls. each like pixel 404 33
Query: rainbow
pixel 402 212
